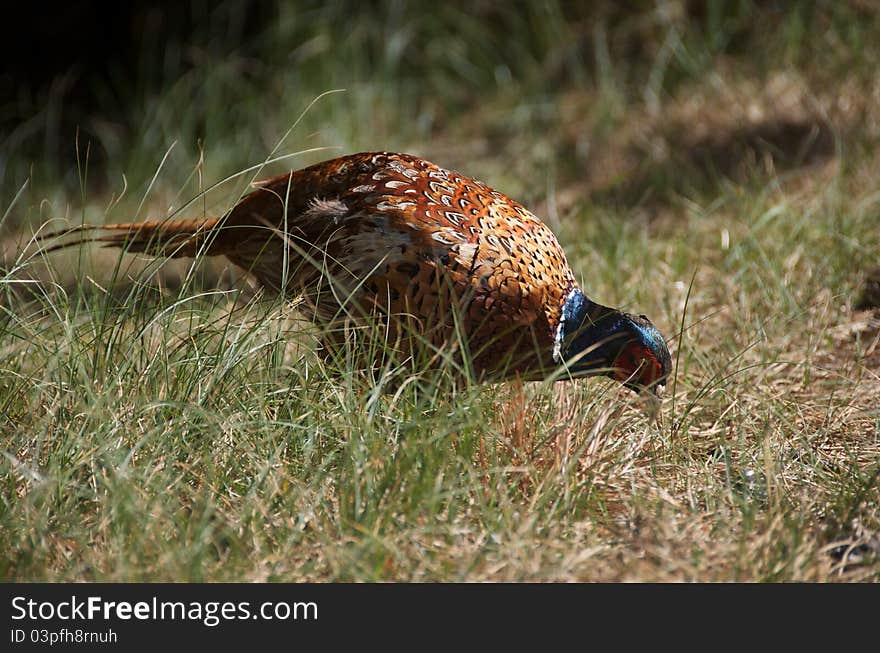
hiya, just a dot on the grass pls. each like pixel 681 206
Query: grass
pixel 160 423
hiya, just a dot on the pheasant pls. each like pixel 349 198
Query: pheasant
pixel 429 253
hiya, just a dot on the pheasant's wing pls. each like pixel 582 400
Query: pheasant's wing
pixel 428 243
pixel 285 231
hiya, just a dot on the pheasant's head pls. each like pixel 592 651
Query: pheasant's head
pixel 592 339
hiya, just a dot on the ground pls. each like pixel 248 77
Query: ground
pixel 715 171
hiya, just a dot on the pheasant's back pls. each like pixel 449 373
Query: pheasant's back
pixel 396 234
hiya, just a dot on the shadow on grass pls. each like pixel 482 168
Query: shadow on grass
pixel 696 165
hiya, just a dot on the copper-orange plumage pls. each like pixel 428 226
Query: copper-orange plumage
pixel 416 246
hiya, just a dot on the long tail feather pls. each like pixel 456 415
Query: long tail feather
pixel 155 238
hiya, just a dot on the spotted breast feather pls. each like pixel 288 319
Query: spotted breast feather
pixel 424 251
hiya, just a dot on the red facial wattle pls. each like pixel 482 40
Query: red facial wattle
pixel 638 366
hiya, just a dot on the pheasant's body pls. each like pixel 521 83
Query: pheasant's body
pixel 425 250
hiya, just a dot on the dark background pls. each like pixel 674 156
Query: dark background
pixel 98 59
pixel 85 61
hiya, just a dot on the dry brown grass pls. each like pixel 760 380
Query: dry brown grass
pixel 163 437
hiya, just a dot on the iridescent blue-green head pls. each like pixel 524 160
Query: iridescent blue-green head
pixel 592 339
